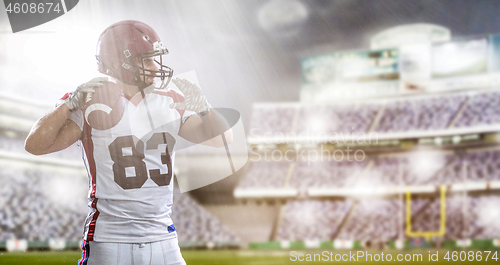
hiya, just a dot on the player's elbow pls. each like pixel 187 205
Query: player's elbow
pixel 30 148
pixel 33 147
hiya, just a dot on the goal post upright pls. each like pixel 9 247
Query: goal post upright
pixel 427 234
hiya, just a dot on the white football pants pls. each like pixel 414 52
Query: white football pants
pixel 165 252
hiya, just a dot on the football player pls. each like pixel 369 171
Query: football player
pixel 130 164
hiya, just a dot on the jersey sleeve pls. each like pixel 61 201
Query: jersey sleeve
pixel 76 116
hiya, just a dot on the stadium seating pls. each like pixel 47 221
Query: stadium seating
pixel 373 220
pixel 410 114
pixel 483 217
pixel 319 174
pixel 330 119
pixel 30 210
pixel 312 219
pixel 266 174
pixel 195 224
pixel 482 109
pixel 393 169
pixel 420 114
pixel 272 120
pixel 378 219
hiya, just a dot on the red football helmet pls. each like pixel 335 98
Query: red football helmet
pixel 124 45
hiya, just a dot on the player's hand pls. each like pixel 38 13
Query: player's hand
pixel 83 93
pixel 194 99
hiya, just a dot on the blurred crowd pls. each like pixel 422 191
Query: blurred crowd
pixel 379 219
pixel 389 115
pixel 387 170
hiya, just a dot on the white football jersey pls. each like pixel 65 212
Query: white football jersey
pixel 130 168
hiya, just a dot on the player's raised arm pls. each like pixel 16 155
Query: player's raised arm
pixel 54 131
pixel 206 128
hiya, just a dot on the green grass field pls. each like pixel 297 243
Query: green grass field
pixel 254 257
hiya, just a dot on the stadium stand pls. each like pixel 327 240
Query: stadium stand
pixel 373 220
pixel 336 118
pixel 196 226
pixel 325 174
pixel 383 219
pixel 483 108
pixel 483 217
pixel 379 219
pixel 30 211
pixel 312 219
pixel 419 114
pixel 266 174
pixel 272 120
pixel 439 134
pixel 386 170
pixel 458 110
pixel 483 165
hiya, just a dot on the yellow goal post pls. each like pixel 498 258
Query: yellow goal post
pixel 426 234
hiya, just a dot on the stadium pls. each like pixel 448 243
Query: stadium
pixel 371 131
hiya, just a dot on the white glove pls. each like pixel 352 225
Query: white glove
pixel 194 99
pixel 83 93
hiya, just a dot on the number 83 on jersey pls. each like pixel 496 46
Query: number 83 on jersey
pixel 128 154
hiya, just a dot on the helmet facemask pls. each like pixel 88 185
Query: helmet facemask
pixel 163 72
